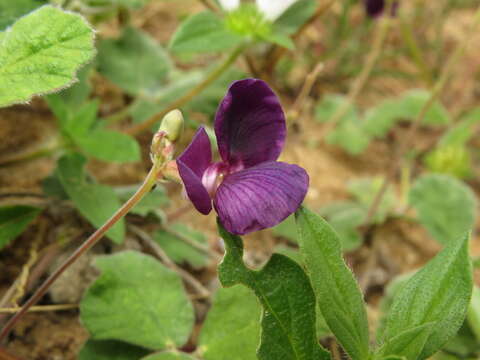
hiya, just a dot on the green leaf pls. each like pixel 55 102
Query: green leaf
pixel 413 101
pixel 178 250
pixel 10 10
pixel 445 285
pixel 232 327
pixel 473 314
pixel 76 95
pixel 287 229
pixel 169 355
pixel 279 39
pixel 108 350
pixel 295 16
pixel 135 62
pixel 345 217
pixel 139 301
pixel 408 344
pixel 42 52
pixel 463 130
pixel 350 136
pixel 364 191
pixel 111 146
pixel 337 292
pixel 445 206
pixel 381 118
pixel 284 290
pixel 203 32
pixel 454 160
pixel 74 123
pixel 330 104
pixel 95 202
pixel 14 220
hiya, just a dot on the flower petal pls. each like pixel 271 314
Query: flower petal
pixel 260 197
pixel 192 163
pixel 229 5
pixel 250 124
pixel 272 9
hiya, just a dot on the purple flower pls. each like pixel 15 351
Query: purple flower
pixel 376 7
pixel 250 190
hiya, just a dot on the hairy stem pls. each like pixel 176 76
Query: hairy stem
pixel 214 75
pixel 147 185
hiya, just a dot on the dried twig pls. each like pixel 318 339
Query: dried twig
pixel 40 308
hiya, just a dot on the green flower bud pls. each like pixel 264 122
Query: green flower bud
pixel 172 125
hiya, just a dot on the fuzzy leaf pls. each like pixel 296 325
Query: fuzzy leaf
pixel 203 32
pixel 94 201
pixel 108 350
pixel 232 327
pixel 445 206
pixel 337 292
pixel 284 290
pixel 14 220
pixel 439 294
pixel 139 301
pixel 408 344
pixel 135 62
pixel 41 53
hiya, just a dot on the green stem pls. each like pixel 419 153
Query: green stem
pixel 147 185
pixel 212 76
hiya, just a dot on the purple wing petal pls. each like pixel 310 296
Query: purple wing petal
pixel 250 124
pixel 260 197
pixel 374 7
pixel 192 163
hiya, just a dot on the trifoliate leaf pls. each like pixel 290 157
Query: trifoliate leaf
pixel 41 53
pixel 139 301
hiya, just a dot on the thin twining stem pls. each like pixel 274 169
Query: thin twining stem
pixel 211 77
pixel 147 185
pixel 407 140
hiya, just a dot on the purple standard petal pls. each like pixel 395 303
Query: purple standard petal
pixel 260 197
pixel 250 124
pixel 375 8
pixel 192 163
